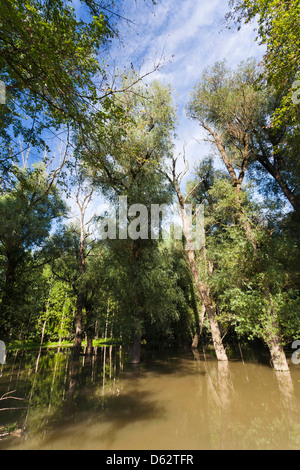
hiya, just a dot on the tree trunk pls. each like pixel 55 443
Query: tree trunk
pixel 274 341
pixel 62 324
pixel 216 335
pixel 277 175
pixel 195 342
pixel 210 309
pixel 277 353
pixel 8 319
pixel 89 344
pixel 288 193
pixel 134 355
pixel 74 369
pixel 78 333
pixel 202 287
pixel 278 356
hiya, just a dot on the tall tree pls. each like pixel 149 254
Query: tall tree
pixel 126 162
pixel 200 281
pixel 27 213
pixel 278 141
pixel 279 30
pixel 228 107
pixel 235 113
pixel 48 65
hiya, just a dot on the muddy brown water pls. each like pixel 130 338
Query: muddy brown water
pixel 173 401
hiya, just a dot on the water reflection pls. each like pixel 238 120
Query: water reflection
pixel 176 401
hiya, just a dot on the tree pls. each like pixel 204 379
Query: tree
pixel 235 113
pixel 257 295
pixel 48 64
pixel 277 141
pixel 52 65
pixel 27 213
pixel 279 31
pixel 126 162
pixel 229 107
pixel 201 284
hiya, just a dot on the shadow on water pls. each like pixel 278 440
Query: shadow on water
pixel 175 400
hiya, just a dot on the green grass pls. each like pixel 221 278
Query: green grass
pixel 27 345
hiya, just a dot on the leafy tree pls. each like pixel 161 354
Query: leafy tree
pixel 279 31
pixel 53 67
pixel 191 255
pixel 27 213
pixel 48 64
pixel 235 112
pixel 127 162
pixel 258 295
pixel 278 140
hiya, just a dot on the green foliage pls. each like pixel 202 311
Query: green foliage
pixel 250 291
pixel 27 213
pixel 48 64
pixel 279 31
pixel 235 108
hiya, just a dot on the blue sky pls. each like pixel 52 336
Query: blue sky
pixel 191 35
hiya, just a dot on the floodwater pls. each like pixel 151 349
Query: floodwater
pixel 172 401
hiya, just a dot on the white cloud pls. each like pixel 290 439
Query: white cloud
pixel 191 35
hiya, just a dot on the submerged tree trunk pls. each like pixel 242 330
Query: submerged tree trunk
pixel 202 287
pixel 89 350
pixel 195 342
pixel 209 308
pixel 78 333
pixel 204 294
pixel 74 368
pixel 82 205
pixel 134 355
pixel 215 330
pixel 8 319
pixel 273 342
pixel 278 357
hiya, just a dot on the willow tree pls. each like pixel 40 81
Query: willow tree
pixel 235 113
pixel 27 215
pixel 199 280
pixel 231 110
pixel 279 137
pixel 279 31
pixel 52 65
pixel 48 65
pixel 257 295
pixel 126 161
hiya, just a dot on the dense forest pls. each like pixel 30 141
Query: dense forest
pixel 74 139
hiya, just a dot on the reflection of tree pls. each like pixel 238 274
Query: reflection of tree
pixel 287 396
pixel 231 409
pixel 9 396
pixel 87 371
pixel 245 411
pixel 220 395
